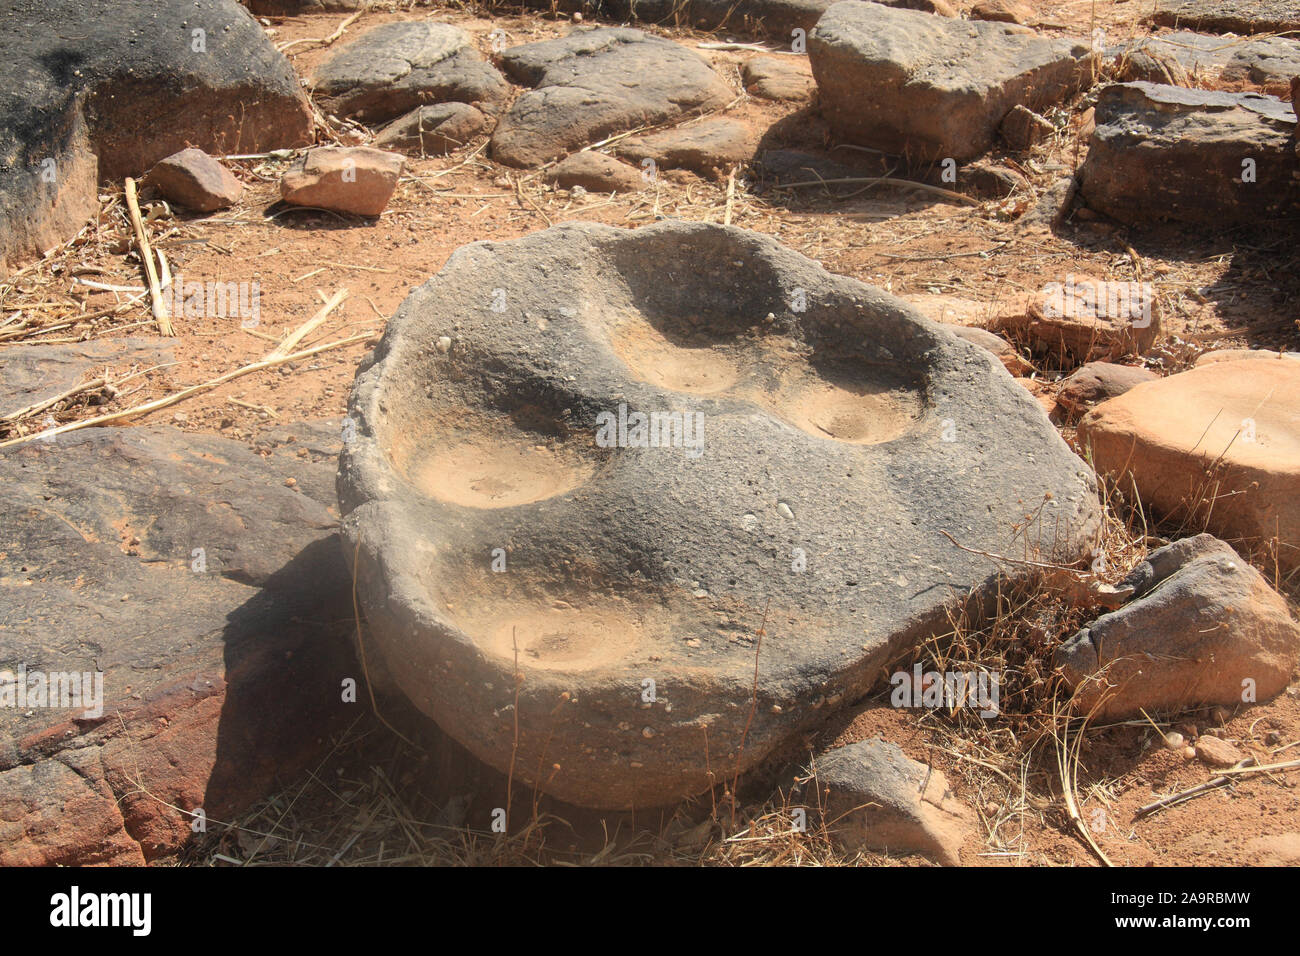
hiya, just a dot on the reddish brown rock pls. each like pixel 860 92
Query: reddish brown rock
pixel 1024 129
pixel 218 625
pixel 1237 355
pixel 1217 447
pixel 778 78
pixel 1217 752
pixel 193 179
pixel 1081 318
pixel 1002 11
pixel 356 180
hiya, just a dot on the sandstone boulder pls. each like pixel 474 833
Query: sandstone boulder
pixel 505 497
pixel 356 180
pixel 193 179
pixel 1217 446
pixel 1083 318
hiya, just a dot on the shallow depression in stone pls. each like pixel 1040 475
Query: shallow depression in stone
pixel 560 635
pixel 497 474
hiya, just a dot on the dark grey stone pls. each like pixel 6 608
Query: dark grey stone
pixel 596 82
pixel 929 87
pixel 397 67
pixel 1168 153
pixel 103 94
pixel 826 442
pixel 219 683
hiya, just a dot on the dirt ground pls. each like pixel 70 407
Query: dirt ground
pixel 1216 289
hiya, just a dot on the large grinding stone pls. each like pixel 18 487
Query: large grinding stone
pixel 843 434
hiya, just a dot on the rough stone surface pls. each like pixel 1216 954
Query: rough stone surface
pixel 966 319
pixel 193 179
pixel 939 87
pixel 593 83
pixel 1097 382
pixel 1230 16
pixel 218 685
pixel 1083 318
pixel 1200 623
pixel 596 172
pixel 1183 434
pixel 1024 129
pixel 1167 153
pixel 433 130
pixel 87 97
pixel 1237 355
pixel 356 180
pixel 1002 11
pixel 34 373
pixel 877 798
pixel 1217 752
pixel 395 68
pixel 824 431
pixel 778 78
pixel 280 8
pixel 1264 64
pixel 996 344
pixel 707 147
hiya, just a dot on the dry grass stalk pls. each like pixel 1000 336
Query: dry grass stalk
pixel 146 256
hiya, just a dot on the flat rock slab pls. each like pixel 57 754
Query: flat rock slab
pixel 1168 153
pixel 596 82
pixel 397 67
pixel 705 148
pixel 1204 628
pixel 1263 64
pixel 86 97
pixel 1230 16
pixel 433 130
pixel 929 87
pixel 214 601
pixel 34 373
pixel 1233 427
pixel 499 426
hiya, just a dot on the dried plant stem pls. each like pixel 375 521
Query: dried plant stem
pixel 146 255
